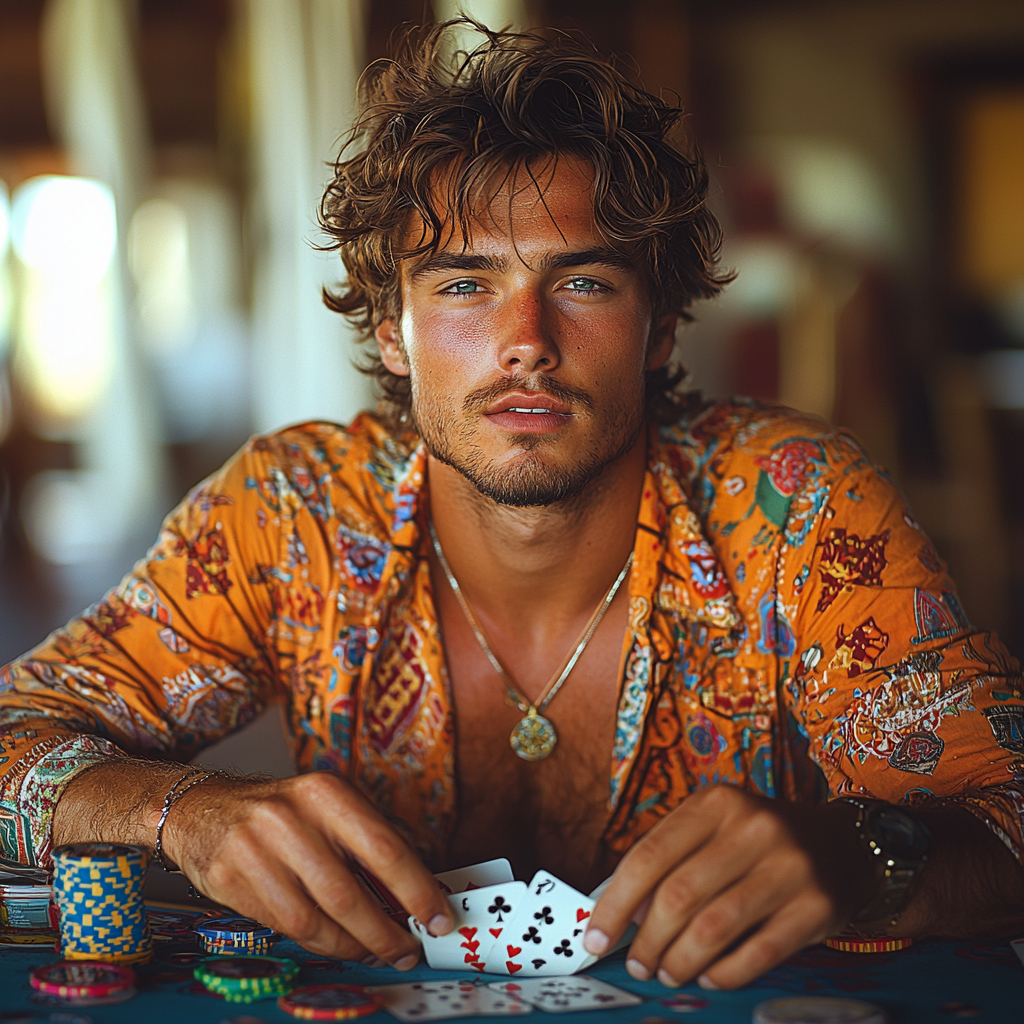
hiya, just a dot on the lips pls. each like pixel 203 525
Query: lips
pixel 528 404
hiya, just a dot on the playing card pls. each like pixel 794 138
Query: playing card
pixel 476 876
pixel 628 935
pixel 545 937
pixel 481 916
pixel 1018 948
pixel 422 1000
pixel 562 995
pixel 379 893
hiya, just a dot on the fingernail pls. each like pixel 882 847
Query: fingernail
pixel 705 982
pixel 667 980
pixel 637 970
pixel 407 963
pixel 373 961
pixel 595 941
pixel 440 924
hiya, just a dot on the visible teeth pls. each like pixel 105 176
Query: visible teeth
pixel 531 410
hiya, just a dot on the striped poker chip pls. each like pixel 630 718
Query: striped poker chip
pixel 329 1002
pixel 90 979
pixel 817 1010
pixel 883 945
pixel 236 930
pixel 245 979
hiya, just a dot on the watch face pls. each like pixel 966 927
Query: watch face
pixel 901 835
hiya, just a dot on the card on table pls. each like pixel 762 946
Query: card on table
pixel 438 1000
pixel 1018 947
pixel 481 918
pixel 476 876
pixel 564 995
pixel 545 937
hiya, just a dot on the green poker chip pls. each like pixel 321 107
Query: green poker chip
pixel 246 979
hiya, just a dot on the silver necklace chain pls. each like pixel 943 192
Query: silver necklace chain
pixel 549 692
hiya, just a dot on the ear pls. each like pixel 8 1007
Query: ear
pixel 389 341
pixel 663 340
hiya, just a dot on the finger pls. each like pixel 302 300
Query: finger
pixel 722 921
pixel 334 889
pixel 800 923
pixel 706 874
pixel 365 833
pixel 650 859
pixel 268 892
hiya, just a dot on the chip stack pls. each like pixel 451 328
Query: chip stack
pixel 234 936
pixel 247 979
pixel 98 888
pixel 26 917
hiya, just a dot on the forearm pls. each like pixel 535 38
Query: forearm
pixel 116 802
pixel 971 886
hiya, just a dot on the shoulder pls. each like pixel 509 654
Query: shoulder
pixel 326 470
pixel 738 454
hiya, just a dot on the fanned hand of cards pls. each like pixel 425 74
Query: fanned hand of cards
pixel 507 927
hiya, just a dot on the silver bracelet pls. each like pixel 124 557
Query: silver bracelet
pixel 192 777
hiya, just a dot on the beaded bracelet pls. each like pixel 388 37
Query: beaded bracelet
pixel 192 777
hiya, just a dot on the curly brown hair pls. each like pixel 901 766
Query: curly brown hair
pixel 431 123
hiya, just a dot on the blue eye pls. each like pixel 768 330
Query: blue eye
pixel 584 284
pixel 463 288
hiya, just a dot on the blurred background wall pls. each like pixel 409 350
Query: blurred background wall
pixel 160 164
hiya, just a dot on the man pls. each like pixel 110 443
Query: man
pixel 521 241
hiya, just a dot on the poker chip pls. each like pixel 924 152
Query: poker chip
pixel 233 936
pixel 98 890
pixel 329 1002
pixel 246 979
pixel 818 1010
pixel 854 945
pixel 82 979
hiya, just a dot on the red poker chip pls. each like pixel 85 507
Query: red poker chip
pixel 329 1002
pixel 850 944
pixel 82 979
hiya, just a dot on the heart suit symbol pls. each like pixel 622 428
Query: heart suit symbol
pixel 495 931
pixel 514 950
pixel 467 932
pixel 581 914
pixel 513 967
pixel 471 946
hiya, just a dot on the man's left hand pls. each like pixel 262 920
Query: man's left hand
pixel 729 884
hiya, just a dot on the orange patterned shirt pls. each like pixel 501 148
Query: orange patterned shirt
pixel 791 631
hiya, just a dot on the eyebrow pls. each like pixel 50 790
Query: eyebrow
pixel 596 256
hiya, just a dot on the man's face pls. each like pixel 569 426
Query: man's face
pixel 527 344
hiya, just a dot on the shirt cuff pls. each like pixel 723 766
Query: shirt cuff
pixel 45 771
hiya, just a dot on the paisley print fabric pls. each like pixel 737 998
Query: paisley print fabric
pixel 791 631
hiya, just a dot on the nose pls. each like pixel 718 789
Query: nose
pixel 528 344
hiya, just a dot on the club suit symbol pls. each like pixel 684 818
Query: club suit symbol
pixel 499 907
pixel 544 916
pixel 563 948
pixel 531 935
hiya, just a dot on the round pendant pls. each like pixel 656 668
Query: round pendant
pixel 533 738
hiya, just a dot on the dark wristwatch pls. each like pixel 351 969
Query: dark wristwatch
pixel 897 842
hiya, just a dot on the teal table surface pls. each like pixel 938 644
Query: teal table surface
pixel 928 982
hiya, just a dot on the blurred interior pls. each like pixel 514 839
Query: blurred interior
pixel 160 164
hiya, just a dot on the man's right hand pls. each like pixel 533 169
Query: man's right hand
pixel 281 851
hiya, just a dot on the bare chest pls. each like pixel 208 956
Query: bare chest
pixel 548 813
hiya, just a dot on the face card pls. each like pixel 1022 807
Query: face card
pixel 563 995
pixel 441 1000
pixel 481 917
pixel 545 938
pixel 476 876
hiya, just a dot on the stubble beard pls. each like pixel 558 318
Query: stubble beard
pixel 530 480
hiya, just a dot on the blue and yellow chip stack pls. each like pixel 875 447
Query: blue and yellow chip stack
pixel 98 889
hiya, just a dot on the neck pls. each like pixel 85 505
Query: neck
pixel 538 567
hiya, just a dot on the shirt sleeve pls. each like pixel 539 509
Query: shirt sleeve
pixel 171 660
pixel 899 697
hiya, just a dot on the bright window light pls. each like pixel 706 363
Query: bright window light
pixel 5 220
pixel 64 227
